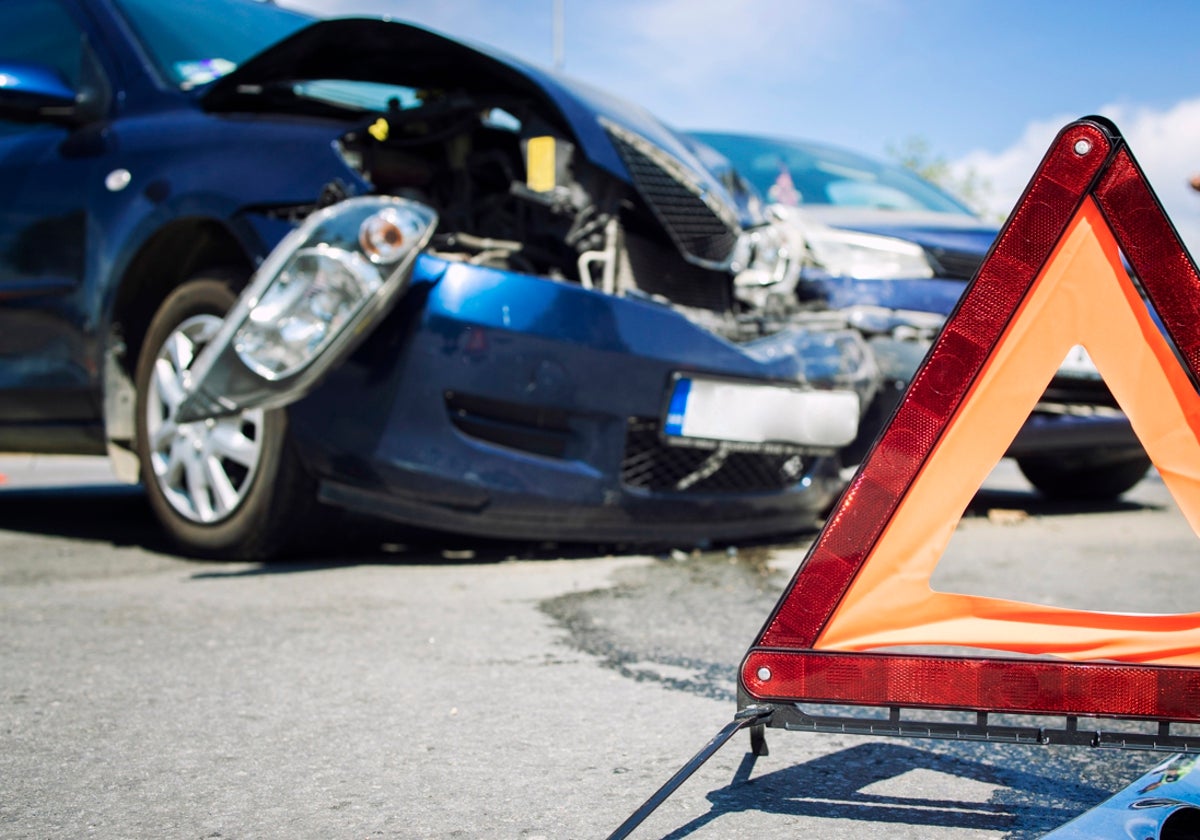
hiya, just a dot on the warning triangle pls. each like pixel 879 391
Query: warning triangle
pixel 1054 278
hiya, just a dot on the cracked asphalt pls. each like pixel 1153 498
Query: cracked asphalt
pixel 435 687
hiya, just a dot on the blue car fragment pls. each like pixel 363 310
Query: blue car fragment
pixel 895 252
pixel 1164 804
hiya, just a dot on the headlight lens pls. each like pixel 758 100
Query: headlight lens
pixel 866 256
pixel 311 299
pixel 312 292
pixel 311 302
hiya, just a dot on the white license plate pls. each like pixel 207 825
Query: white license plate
pixel 748 413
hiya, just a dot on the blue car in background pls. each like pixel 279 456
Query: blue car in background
pixel 894 252
pixel 487 300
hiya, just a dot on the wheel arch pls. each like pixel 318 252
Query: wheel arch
pixel 172 254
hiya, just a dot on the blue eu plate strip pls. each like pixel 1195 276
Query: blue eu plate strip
pixel 678 407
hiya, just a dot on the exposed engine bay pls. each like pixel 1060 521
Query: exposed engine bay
pixel 513 191
pixel 532 173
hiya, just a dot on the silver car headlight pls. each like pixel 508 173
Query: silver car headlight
pixel 323 284
pixel 313 299
pixel 866 255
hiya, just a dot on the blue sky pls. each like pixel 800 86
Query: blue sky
pixel 986 85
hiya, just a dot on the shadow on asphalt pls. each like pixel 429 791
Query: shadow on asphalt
pixel 1036 505
pixel 120 515
pixel 412 550
pixel 117 514
pixel 838 786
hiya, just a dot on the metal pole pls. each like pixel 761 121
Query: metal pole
pixel 559 57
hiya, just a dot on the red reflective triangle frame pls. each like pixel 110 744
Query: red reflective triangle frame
pixel 1088 170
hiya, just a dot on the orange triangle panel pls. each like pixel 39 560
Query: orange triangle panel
pixel 1053 279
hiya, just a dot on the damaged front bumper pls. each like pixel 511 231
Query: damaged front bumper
pixel 501 404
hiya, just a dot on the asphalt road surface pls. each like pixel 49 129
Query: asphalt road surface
pixel 453 688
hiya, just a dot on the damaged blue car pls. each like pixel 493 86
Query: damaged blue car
pixel 894 253
pixel 272 265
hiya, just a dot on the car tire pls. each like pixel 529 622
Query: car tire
pixel 1095 476
pixel 228 487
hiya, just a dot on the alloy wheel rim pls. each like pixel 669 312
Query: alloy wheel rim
pixel 204 469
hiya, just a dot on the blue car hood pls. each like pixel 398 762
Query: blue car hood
pixel 389 52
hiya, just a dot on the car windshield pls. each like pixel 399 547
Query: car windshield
pixel 195 43
pixel 795 173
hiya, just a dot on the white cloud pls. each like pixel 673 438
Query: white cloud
pixel 693 42
pixel 753 64
pixel 1164 142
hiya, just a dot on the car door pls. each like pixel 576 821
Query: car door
pixel 48 387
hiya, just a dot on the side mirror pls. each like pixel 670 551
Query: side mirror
pixel 33 93
pixel 36 93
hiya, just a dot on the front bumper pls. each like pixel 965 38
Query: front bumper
pixel 499 404
pixel 1075 413
pixel 1050 432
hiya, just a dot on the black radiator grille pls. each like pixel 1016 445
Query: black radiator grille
pixel 958 265
pixel 656 269
pixel 1067 390
pixel 695 225
pixel 650 464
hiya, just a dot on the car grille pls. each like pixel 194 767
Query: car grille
pixel 650 464
pixel 959 265
pixel 700 226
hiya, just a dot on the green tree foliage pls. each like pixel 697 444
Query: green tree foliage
pixel 916 154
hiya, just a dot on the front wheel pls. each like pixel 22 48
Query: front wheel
pixel 226 487
pixel 1094 476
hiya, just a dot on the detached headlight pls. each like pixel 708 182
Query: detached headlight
pixel 310 303
pixel 300 313
pixel 865 255
pixel 345 261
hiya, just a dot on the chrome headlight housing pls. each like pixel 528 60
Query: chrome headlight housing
pixel 763 256
pixel 312 301
pixel 867 256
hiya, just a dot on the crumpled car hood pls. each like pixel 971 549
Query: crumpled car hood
pixel 389 52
